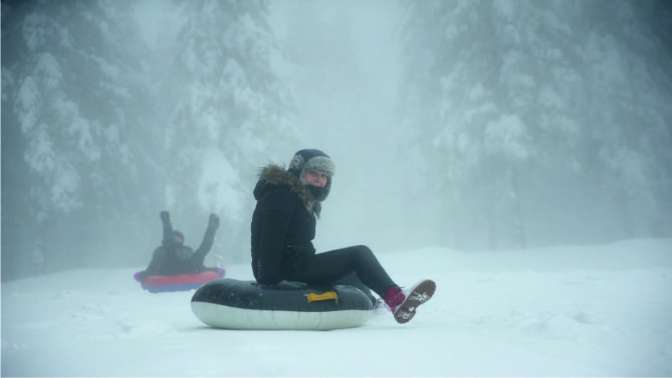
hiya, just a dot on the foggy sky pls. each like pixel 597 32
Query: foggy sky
pixel 343 64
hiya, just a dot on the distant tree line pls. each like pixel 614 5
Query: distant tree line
pixel 100 130
pixel 543 122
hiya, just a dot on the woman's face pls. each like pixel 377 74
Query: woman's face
pixel 315 178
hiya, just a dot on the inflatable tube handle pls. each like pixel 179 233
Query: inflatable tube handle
pixel 326 296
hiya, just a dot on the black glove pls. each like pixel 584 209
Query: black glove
pixel 213 222
pixel 165 216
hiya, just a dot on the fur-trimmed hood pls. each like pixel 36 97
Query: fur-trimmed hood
pixel 273 176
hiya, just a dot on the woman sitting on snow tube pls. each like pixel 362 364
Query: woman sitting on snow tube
pixel 289 203
pixel 175 266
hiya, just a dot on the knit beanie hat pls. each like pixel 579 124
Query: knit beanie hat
pixel 316 160
pixel 311 159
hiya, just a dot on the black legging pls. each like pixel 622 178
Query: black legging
pixel 329 267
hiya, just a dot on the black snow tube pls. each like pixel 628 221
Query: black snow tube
pixel 235 304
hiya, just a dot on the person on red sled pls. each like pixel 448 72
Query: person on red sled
pixel 173 257
pixel 289 203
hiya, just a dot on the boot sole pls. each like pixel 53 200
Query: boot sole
pixel 421 293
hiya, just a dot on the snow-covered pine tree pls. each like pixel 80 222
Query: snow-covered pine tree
pixel 539 112
pixel 626 95
pixel 231 116
pixel 71 169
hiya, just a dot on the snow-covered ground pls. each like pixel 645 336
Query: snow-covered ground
pixel 590 310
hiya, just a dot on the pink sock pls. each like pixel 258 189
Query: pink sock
pixel 393 297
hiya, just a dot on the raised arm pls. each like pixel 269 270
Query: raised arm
pixel 209 237
pixel 167 228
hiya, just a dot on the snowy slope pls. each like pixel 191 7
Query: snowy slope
pixel 592 310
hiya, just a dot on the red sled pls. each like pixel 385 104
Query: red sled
pixel 178 282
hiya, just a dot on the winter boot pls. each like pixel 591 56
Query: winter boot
pixel 404 303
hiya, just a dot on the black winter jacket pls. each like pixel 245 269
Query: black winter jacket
pixel 283 225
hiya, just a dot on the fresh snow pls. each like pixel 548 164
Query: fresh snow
pixel 570 310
